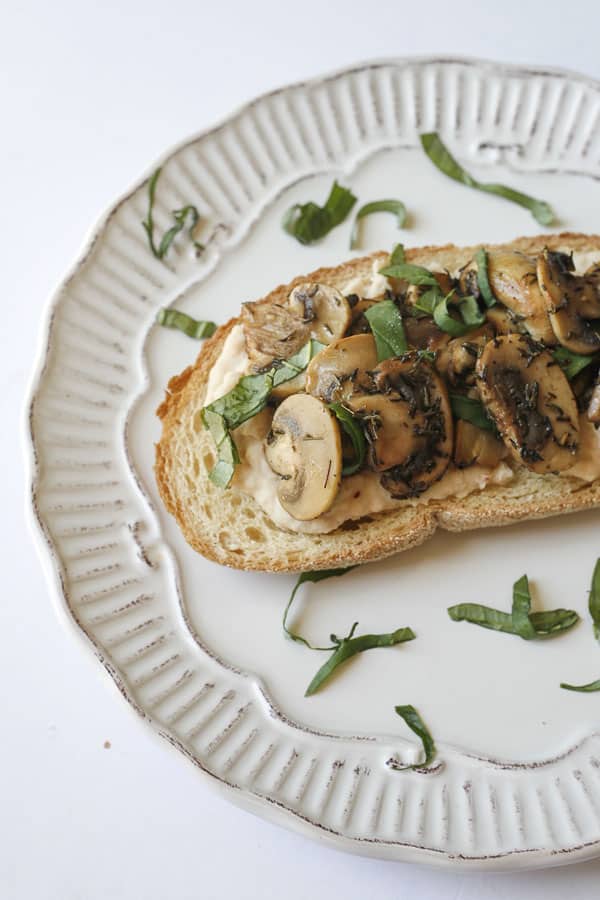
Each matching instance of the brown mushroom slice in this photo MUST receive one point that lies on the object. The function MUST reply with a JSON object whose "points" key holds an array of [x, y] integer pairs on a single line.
{"points": [[503, 321], [593, 411], [424, 334], [304, 448], [473, 445], [408, 424], [513, 280], [359, 323], [333, 374], [272, 331], [529, 398], [457, 360], [323, 308], [589, 304], [564, 295]]}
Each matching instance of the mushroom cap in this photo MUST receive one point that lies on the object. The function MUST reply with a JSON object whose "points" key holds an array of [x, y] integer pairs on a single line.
{"points": [[566, 296], [409, 424], [473, 445], [589, 303], [593, 411], [513, 280], [304, 448], [528, 396], [322, 308], [272, 331], [332, 375]]}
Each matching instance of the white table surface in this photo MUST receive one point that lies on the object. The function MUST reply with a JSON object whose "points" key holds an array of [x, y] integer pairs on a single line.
{"points": [[90, 95]]}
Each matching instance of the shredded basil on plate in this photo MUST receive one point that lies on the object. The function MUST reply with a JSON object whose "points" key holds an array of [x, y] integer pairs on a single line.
{"points": [[186, 215], [590, 688], [349, 646], [573, 363], [353, 428], [309, 222], [313, 578], [396, 207], [248, 398], [481, 261], [416, 724], [441, 157], [385, 320], [194, 328], [545, 623]]}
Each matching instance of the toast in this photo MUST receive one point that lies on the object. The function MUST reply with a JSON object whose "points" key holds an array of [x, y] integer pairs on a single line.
{"points": [[230, 527]]}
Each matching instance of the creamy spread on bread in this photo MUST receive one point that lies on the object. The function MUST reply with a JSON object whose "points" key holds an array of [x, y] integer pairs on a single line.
{"points": [[574, 450]]}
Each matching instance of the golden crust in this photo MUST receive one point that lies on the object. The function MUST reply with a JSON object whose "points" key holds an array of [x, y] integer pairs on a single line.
{"points": [[230, 528]]}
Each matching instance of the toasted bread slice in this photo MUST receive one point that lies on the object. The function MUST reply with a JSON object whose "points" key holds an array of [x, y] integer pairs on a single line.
{"points": [[229, 527]]}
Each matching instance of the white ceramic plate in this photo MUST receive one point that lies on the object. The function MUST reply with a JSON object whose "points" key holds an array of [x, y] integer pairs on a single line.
{"points": [[198, 650]]}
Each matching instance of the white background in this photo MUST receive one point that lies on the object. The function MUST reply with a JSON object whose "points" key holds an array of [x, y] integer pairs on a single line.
{"points": [[90, 96]]}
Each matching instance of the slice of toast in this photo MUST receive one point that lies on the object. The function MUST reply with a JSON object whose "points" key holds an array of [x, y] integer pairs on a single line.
{"points": [[229, 527]]}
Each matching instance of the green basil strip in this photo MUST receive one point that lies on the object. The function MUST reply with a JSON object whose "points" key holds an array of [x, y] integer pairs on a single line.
{"points": [[397, 256], [194, 328], [385, 320], [447, 322], [416, 725], [594, 600], [481, 261], [396, 207], [354, 430], [573, 363], [349, 646], [313, 578], [227, 453], [470, 312], [428, 301], [308, 222], [181, 217], [246, 400], [582, 688], [472, 411], [411, 273], [445, 162], [521, 608], [546, 624]]}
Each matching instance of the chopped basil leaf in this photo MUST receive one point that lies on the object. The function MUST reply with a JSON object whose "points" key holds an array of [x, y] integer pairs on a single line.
{"points": [[481, 261], [445, 162], [354, 430], [411, 273], [397, 255], [243, 402], [594, 600], [428, 301], [386, 324], [181, 216], [472, 411], [396, 207], [582, 688], [349, 646], [416, 724], [545, 623], [470, 312], [308, 222], [314, 578], [573, 363], [194, 328], [521, 608], [447, 322]]}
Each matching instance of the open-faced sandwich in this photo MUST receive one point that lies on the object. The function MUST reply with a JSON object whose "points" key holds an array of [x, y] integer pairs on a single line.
{"points": [[348, 414]]}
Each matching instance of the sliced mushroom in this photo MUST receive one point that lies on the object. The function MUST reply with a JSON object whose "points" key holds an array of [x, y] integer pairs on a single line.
{"points": [[324, 309], [272, 331], [473, 445], [335, 372], [593, 411], [414, 292], [304, 448], [359, 323], [408, 424], [457, 360], [503, 321], [513, 280], [566, 295], [529, 398], [589, 306], [424, 334]]}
